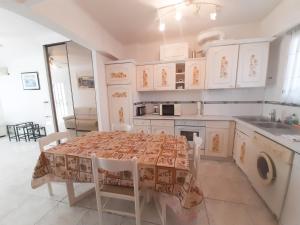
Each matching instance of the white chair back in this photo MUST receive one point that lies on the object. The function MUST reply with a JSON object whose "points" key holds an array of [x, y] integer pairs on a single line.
{"points": [[113, 165], [197, 149], [54, 137], [121, 127]]}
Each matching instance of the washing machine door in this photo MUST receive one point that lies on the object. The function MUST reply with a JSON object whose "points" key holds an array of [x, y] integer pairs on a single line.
{"points": [[265, 168]]}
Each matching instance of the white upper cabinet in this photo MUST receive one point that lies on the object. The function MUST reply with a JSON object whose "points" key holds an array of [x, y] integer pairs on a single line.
{"points": [[119, 73], [119, 97], [164, 76], [221, 67], [144, 78], [195, 74], [253, 63]]}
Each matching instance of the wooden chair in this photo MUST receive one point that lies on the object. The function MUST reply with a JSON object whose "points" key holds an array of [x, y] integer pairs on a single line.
{"points": [[117, 192], [121, 127], [52, 138]]}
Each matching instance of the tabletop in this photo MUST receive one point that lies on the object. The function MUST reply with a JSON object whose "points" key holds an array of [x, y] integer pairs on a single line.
{"points": [[162, 160]]}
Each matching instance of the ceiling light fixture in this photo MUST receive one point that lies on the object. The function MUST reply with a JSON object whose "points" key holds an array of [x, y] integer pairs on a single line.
{"points": [[174, 9]]}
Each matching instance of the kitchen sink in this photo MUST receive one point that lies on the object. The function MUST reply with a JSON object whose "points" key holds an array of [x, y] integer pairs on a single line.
{"points": [[272, 125]]}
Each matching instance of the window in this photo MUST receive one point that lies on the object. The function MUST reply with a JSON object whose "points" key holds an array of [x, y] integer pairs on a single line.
{"points": [[291, 91]]}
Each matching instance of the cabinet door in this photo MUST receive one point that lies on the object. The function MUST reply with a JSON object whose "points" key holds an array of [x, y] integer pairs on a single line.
{"points": [[164, 76], [162, 130], [240, 151], [253, 63], [216, 142], [119, 73], [221, 67], [144, 78], [120, 111], [195, 74], [142, 129]]}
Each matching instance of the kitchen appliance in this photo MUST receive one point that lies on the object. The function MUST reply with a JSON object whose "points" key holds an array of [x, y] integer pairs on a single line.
{"points": [[271, 163], [155, 110], [170, 109], [140, 110], [187, 128]]}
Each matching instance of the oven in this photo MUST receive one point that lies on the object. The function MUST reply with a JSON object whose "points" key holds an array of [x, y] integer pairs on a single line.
{"points": [[187, 128]]}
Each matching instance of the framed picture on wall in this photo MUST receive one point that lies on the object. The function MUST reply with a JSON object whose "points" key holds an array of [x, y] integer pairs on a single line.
{"points": [[86, 82], [30, 81]]}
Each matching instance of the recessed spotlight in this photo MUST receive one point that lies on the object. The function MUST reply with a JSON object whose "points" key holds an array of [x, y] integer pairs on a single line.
{"points": [[162, 26], [178, 15]]}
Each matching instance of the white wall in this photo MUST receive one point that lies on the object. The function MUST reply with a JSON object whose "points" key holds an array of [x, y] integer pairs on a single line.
{"points": [[283, 17], [24, 105], [277, 74]]}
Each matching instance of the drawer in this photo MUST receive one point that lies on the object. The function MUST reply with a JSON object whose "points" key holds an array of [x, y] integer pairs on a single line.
{"points": [[218, 124], [162, 130], [141, 122], [162, 123], [192, 123]]}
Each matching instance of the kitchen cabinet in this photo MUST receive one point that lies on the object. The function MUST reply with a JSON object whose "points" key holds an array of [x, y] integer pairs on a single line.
{"points": [[252, 65], [120, 104], [162, 127], [290, 214], [142, 126], [219, 138], [221, 67], [241, 150], [144, 78], [119, 73], [195, 74], [164, 76]]}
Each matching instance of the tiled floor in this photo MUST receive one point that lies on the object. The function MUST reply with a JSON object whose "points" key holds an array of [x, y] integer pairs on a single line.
{"points": [[229, 198]]}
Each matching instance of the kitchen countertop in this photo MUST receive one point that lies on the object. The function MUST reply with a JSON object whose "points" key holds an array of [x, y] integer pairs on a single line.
{"points": [[275, 136]]}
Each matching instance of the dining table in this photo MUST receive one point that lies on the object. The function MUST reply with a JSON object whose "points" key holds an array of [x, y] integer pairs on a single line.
{"points": [[163, 164]]}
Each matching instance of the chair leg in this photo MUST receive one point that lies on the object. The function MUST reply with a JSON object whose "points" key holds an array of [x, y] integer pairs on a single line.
{"points": [[50, 189], [164, 214], [137, 214]]}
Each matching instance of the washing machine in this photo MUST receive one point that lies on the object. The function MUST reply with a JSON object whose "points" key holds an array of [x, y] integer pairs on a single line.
{"points": [[270, 171]]}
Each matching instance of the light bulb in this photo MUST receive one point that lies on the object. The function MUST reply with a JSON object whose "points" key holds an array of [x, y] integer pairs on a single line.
{"points": [[178, 15], [162, 26], [213, 16]]}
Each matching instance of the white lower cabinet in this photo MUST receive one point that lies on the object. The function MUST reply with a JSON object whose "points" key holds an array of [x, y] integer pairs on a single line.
{"points": [[162, 127], [291, 213], [142, 126], [241, 150], [219, 139]]}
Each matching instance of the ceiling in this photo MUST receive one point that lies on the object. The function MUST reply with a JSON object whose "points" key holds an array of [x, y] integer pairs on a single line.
{"points": [[135, 21]]}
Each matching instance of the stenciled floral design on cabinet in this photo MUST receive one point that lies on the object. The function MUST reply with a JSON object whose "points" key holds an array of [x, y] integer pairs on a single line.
{"points": [[120, 94], [224, 67], [242, 152], [196, 75], [119, 75], [252, 66], [164, 76], [121, 115], [216, 143], [145, 79]]}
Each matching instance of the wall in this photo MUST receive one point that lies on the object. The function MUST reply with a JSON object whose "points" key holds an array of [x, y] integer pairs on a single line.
{"points": [[24, 105], [282, 18], [277, 73]]}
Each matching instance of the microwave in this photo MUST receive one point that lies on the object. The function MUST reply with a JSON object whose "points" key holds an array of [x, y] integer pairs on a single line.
{"points": [[170, 110]]}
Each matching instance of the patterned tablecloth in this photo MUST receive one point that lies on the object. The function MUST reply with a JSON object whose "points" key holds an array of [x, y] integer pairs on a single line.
{"points": [[162, 160]]}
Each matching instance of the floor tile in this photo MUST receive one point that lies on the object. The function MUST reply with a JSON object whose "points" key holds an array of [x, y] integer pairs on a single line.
{"points": [[91, 218], [226, 213], [29, 212], [62, 214]]}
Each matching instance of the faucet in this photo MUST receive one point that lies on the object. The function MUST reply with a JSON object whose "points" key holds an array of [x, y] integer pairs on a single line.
{"points": [[273, 115]]}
